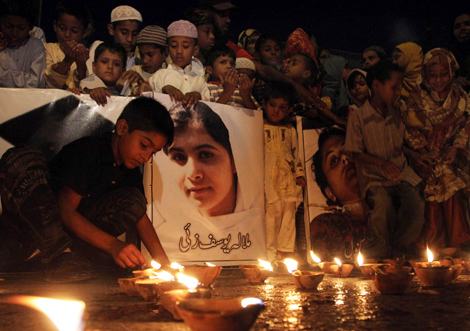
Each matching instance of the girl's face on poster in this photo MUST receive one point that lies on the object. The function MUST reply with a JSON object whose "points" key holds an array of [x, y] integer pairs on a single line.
{"points": [[205, 171], [339, 170]]}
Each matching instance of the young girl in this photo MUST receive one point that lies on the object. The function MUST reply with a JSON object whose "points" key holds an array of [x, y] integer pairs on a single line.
{"points": [[436, 130], [268, 50], [301, 65], [357, 89], [284, 175], [66, 59], [409, 57]]}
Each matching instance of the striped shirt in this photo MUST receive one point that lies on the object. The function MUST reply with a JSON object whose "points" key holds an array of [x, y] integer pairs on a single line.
{"points": [[236, 100], [369, 132]]}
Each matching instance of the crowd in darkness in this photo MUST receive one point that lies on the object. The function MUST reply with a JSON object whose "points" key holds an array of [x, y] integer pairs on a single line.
{"points": [[395, 123]]}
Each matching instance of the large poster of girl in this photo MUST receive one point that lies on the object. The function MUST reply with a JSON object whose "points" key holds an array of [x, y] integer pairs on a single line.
{"points": [[207, 187], [335, 212]]}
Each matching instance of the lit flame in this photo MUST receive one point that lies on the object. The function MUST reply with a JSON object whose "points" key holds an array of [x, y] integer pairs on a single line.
{"points": [[155, 265], [430, 255], [165, 275], [314, 257], [175, 265], [190, 282], [360, 259], [251, 301], [210, 264], [291, 265], [265, 264], [66, 315], [338, 262]]}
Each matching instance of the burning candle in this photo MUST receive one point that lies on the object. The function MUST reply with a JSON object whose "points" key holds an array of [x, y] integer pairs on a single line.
{"points": [[66, 315], [360, 259], [434, 274], [341, 270], [314, 257], [303, 279], [291, 265], [257, 273]]}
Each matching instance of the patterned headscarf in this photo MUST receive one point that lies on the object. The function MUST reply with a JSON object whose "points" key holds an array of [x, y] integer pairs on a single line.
{"points": [[444, 58], [413, 63], [245, 36], [299, 43]]}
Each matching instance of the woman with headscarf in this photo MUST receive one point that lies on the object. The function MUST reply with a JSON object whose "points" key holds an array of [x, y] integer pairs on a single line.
{"points": [[437, 130], [247, 40], [408, 56]]}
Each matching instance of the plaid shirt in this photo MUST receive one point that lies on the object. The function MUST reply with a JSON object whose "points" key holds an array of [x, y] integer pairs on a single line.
{"points": [[369, 132]]}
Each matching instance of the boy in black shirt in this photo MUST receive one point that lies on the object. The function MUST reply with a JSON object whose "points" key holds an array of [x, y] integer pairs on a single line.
{"points": [[95, 190]]}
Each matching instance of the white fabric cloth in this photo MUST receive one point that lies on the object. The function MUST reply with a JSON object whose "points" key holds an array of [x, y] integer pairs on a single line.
{"points": [[186, 80], [92, 82], [280, 228], [282, 164], [23, 66]]}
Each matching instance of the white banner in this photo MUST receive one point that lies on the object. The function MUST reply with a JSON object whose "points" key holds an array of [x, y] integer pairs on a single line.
{"points": [[53, 118]]}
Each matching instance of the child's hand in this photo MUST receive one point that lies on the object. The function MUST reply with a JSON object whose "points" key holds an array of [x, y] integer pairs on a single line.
{"points": [[70, 50], [3, 42], [231, 80], [75, 90], [301, 181], [175, 94], [191, 98], [392, 172], [132, 77], [99, 95], [245, 84], [83, 53], [144, 87], [126, 255]]}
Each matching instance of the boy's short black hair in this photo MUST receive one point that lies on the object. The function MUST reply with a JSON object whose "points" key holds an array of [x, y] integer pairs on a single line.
{"points": [[160, 47], [382, 71], [22, 8], [214, 53], [147, 114], [279, 89], [114, 48], [75, 9], [265, 37]]}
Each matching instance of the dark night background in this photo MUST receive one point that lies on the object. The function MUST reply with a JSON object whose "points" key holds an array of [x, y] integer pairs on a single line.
{"points": [[342, 25]]}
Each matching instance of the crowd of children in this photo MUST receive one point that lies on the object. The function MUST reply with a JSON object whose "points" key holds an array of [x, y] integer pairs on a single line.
{"points": [[406, 118]]}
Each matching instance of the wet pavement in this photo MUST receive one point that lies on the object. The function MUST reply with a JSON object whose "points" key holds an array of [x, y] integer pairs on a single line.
{"points": [[339, 304]]}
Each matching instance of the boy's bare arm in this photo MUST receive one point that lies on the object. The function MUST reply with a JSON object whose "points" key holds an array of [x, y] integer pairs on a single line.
{"points": [[150, 238], [245, 85], [100, 95], [174, 93], [391, 171], [124, 254], [229, 83]]}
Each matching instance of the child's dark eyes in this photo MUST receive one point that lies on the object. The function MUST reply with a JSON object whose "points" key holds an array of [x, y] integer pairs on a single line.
{"points": [[205, 155], [333, 161], [179, 158]]}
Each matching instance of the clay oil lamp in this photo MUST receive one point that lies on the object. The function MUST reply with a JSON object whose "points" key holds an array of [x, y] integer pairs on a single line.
{"points": [[434, 273], [236, 314], [66, 315], [303, 280], [324, 266], [206, 274], [341, 270], [169, 299], [394, 280], [151, 289], [257, 273], [367, 269], [127, 285]]}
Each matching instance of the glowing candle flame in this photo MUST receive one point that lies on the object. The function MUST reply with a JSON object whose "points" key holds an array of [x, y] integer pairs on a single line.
{"points": [[165, 275], [190, 282], [210, 264], [430, 255], [360, 259], [155, 265], [251, 301], [66, 315], [338, 262], [314, 257], [291, 265], [175, 265], [265, 264]]}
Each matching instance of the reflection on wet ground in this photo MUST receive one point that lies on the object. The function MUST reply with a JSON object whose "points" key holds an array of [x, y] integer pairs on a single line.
{"points": [[339, 304]]}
